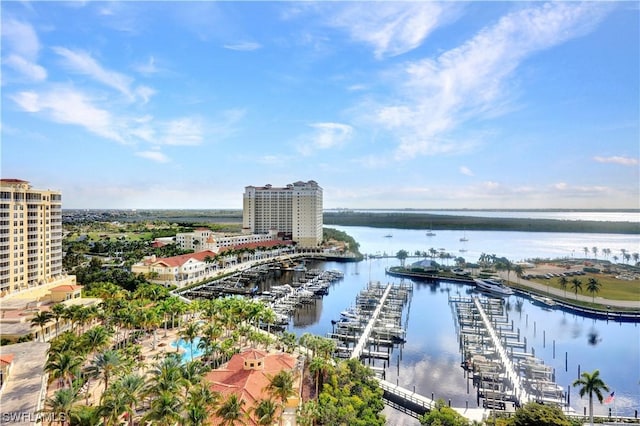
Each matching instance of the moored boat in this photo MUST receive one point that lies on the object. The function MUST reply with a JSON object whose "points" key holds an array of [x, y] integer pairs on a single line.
{"points": [[546, 301], [492, 286]]}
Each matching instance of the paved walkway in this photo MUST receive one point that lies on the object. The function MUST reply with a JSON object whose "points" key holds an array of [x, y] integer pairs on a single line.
{"points": [[542, 288]]}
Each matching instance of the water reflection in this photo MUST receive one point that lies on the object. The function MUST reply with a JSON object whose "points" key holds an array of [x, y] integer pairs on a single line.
{"points": [[430, 359]]}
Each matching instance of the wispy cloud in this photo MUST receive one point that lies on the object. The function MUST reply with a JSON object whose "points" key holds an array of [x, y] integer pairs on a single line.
{"points": [[83, 63], [392, 28], [69, 106], [244, 46], [156, 156], [20, 38], [466, 171], [29, 69], [624, 161], [22, 46], [147, 68], [183, 131], [325, 136], [470, 82]]}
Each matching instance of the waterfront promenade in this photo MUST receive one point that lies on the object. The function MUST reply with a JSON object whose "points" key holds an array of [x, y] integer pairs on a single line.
{"points": [[559, 293]]}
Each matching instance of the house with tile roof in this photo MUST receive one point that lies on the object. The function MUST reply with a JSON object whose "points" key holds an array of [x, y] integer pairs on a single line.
{"points": [[248, 374], [191, 268]]}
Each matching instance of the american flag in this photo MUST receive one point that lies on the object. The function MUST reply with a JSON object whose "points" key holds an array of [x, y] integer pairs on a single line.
{"points": [[609, 399]]}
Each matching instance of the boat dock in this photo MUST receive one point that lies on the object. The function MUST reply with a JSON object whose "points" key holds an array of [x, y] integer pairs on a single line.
{"points": [[375, 322], [503, 372]]}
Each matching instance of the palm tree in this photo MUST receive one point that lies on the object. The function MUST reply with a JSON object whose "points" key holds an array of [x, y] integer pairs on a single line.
{"points": [[41, 319], [189, 334], [199, 404], [593, 286], [64, 366], [576, 285], [61, 404], [265, 411], [57, 311], [563, 281], [166, 376], [130, 387], [166, 409], [96, 338], [591, 384], [402, 255], [281, 386], [105, 365], [85, 416], [231, 410]]}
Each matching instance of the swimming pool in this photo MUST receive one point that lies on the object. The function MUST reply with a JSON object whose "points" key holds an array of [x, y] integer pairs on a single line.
{"points": [[185, 349]]}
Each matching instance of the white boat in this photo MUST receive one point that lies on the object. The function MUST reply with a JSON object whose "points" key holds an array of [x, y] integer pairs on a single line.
{"points": [[349, 315], [493, 286], [543, 300]]}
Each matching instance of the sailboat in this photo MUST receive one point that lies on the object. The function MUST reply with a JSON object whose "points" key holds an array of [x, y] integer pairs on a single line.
{"points": [[464, 238], [430, 232]]}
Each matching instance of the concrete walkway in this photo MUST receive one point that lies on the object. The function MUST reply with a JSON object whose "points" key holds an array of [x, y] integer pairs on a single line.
{"points": [[569, 294]]}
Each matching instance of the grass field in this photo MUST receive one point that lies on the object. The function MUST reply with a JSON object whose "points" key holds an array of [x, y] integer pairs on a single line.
{"points": [[611, 287]]}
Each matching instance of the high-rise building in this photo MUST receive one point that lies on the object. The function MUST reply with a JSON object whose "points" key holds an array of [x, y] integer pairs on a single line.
{"points": [[30, 236], [294, 211]]}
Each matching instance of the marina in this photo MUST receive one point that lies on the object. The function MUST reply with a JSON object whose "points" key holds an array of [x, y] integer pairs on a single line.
{"points": [[504, 374], [374, 322]]}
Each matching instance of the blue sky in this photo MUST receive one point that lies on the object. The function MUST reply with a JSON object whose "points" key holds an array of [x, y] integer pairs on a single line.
{"points": [[386, 105]]}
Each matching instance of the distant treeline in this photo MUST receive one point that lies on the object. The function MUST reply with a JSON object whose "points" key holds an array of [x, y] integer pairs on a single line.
{"points": [[448, 222]]}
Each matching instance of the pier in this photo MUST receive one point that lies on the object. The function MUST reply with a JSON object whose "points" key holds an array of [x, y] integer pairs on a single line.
{"points": [[503, 372]]}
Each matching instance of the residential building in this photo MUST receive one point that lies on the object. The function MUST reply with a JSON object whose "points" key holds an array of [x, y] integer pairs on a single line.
{"points": [[248, 375], [191, 268], [30, 237], [294, 211], [205, 239]]}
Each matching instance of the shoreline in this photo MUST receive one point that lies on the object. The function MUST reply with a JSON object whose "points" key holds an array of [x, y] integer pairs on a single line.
{"points": [[473, 223], [605, 310]]}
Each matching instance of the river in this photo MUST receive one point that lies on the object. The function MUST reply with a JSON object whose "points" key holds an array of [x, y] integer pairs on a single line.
{"points": [[429, 361]]}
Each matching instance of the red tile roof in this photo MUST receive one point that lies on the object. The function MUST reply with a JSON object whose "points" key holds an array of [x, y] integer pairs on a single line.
{"points": [[266, 244], [182, 259], [6, 359], [66, 287], [248, 384], [11, 180]]}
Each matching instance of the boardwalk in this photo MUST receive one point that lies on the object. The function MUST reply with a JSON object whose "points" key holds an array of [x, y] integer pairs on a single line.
{"points": [[366, 333], [512, 375]]}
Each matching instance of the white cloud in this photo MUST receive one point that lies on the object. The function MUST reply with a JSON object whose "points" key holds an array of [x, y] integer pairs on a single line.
{"points": [[83, 63], [183, 131], [244, 46], [69, 106], [436, 95], [21, 46], [156, 156], [624, 161], [27, 68], [21, 39], [145, 93], [147, 68], [391, 28], [325, 136], [466, 171]]}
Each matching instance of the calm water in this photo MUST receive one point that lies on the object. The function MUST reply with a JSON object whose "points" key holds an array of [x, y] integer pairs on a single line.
{"points": [[430, 360], [600, 216]]}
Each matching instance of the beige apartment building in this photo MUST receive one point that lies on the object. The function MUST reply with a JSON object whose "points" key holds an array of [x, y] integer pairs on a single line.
{"points": [[30, 237], [295, 211]]}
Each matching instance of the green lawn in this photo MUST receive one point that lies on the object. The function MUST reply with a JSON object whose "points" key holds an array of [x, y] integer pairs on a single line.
{"points": [[611, 287]]}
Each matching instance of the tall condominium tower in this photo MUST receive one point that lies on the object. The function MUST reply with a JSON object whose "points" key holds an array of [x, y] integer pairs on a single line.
{"points": [[30, 236], [295, 211]]}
